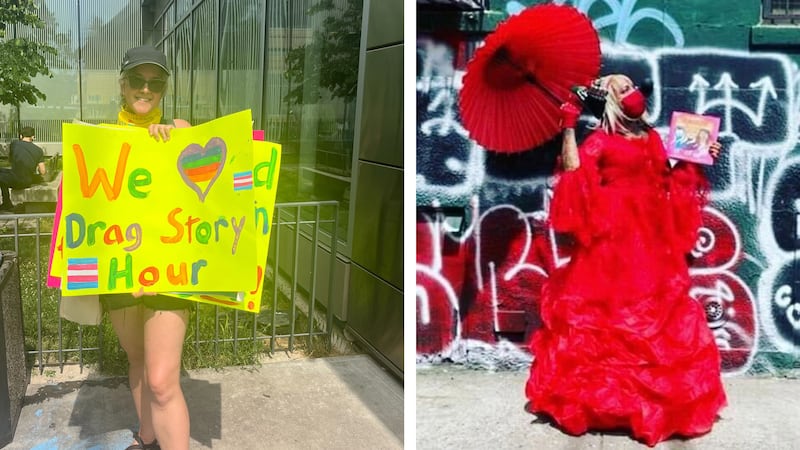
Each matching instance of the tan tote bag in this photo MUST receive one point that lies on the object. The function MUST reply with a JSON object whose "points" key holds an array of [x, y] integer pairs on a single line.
{"points": [[81, 309]]}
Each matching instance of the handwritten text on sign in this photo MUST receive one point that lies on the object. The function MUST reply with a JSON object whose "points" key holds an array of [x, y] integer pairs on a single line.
{"points": [[163, 216], [266, 161]]}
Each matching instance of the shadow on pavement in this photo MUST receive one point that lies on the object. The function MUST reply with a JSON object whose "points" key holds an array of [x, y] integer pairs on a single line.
{"points": [[104, 405], [344, 402], [376, 388]]}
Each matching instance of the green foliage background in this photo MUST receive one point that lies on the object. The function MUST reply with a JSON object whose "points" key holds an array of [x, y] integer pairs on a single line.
{"points": [[21, 58]]}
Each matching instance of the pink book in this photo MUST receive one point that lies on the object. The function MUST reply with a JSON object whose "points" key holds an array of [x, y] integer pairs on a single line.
{"points": [[690, 136]]}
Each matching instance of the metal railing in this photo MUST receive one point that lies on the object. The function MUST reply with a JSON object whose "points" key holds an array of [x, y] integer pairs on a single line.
{"points": [[287, 294]]}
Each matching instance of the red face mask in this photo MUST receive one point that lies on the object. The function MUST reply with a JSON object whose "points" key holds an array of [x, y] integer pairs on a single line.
{"points": [[633, 104]]}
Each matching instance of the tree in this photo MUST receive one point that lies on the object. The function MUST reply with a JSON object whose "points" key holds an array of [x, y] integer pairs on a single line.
{"points": [[21, 58], [332, 54]]}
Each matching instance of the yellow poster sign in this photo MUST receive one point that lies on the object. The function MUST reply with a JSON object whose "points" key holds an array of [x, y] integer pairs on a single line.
{"points": [[188, 215], [267, 159]]}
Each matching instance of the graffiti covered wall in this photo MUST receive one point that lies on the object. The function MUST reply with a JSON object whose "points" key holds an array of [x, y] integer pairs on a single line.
{"points": [[483, 246]]}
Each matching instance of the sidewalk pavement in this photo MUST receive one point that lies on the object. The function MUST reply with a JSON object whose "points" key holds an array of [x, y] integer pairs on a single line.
{"points": [[460, 408], [343, 402]]}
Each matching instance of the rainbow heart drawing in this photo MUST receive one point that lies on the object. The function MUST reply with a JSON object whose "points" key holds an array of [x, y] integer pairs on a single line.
{"points": [[200, 166]]}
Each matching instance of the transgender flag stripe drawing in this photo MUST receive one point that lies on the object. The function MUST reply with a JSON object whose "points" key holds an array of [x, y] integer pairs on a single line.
{"points": [[243, 181], [82, 273]]}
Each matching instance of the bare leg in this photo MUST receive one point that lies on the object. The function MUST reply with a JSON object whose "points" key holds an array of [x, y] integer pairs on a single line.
{"points": [[128, 323], [164, 332]]}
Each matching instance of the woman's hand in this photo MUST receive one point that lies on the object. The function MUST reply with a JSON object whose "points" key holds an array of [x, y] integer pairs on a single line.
{"points": [[569, 115], [715, 149], [160, 131], [141, 293]]}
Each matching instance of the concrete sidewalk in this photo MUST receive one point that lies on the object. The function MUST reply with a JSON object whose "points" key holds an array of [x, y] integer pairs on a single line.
{"points": [[459, 408], [346, 402]]}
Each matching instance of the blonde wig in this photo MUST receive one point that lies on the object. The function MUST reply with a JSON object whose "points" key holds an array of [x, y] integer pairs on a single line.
{"points": [[614, 119]]}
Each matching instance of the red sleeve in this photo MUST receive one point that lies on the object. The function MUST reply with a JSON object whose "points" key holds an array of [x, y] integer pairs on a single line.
{"points": [[688, 191], [578, 203]]}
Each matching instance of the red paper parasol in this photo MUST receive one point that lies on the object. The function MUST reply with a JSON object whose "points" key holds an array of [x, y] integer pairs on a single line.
{"points": [[516, 82]]}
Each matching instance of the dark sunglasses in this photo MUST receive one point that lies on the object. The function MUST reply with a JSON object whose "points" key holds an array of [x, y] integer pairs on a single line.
{"points": [[156, 85]]}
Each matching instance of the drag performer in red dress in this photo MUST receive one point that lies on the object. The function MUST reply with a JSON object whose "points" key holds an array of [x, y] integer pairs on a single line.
{"points": [[622, 344]]}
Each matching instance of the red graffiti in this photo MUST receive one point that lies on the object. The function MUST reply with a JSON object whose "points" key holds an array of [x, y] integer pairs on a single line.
{"points": [[440, 271], [504, 300], [495, 275], [729, 304], [485, 286]]}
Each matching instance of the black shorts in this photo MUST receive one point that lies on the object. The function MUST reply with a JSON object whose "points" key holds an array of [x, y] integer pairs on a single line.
{"points": [[113, 302]]}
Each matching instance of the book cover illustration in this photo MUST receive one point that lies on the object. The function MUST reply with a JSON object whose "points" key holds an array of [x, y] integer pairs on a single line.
{"points": [[690, 136]]}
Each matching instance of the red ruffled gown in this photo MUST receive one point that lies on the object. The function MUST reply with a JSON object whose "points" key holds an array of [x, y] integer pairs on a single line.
{"points": [[622, 344]]}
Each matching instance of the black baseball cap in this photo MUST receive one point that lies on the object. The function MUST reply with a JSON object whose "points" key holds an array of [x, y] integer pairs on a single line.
{"points": [[146, 54]]}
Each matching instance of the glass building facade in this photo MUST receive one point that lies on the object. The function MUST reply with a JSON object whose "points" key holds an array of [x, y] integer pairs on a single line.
{"points": [[294, 64], [89, 38]]}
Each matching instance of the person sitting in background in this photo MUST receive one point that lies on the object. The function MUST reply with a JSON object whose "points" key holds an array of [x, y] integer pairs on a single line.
{"points": [[25, 157]]}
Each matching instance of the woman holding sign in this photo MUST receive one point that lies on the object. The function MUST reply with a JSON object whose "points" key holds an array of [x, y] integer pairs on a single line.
{"points": [[622, 343], [151, 328]]}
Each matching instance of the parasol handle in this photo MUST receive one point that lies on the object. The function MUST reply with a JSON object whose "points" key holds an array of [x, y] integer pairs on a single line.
{"points": [[532, 80]]}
